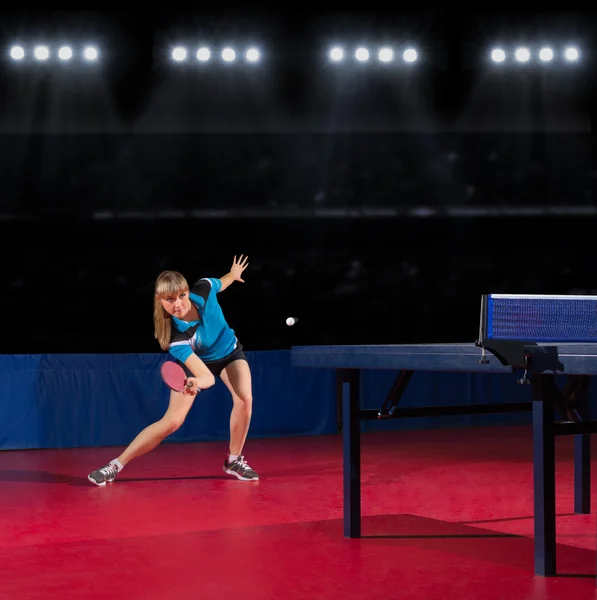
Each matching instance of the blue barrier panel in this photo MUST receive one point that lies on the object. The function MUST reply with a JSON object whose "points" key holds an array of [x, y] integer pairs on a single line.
{"points": [[66, 401], [70, 400]]}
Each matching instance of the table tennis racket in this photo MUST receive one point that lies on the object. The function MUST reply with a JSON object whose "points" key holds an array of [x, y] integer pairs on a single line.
{"points": [[174, 377]]}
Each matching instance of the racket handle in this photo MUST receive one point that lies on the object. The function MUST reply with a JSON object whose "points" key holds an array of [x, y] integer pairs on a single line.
{"points": [[189, 385]]}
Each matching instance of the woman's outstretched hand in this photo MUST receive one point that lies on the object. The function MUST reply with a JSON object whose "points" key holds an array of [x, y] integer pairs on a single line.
{"points": [[238, 266]]}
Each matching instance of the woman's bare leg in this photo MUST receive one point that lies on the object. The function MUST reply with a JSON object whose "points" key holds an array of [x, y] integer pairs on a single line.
{"points": [[237, 377], [154, 434], [148, 439]]}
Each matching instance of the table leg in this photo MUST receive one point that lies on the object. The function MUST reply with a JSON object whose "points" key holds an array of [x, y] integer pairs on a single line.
{"points": [[582, 456], [544, 475], [351, 437], [582, 474]]}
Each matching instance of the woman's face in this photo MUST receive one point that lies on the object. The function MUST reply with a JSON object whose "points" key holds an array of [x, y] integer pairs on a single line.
{"points": [[177, 305]]}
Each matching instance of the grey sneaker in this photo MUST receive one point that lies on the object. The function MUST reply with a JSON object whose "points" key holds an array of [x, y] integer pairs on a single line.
{"points": [[239, 468], [104, 475]]}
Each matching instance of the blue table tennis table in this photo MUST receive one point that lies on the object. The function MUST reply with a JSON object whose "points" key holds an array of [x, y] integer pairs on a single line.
{"points": [[539, 336]]}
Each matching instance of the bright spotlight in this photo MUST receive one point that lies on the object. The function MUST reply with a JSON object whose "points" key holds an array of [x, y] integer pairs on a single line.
{"points": [[228, 54], [410, 55], [498, 55], [336, 54], [90, 53], [17, 53], [522, 54], [65, 53], [252, 55], [41, 52], [179, 54], [386, 54], [546, 54], [203, 54], [362, 54], [571, 54]]}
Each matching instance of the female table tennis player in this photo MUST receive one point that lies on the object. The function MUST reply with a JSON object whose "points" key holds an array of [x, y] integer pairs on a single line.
{"points": [[189, 323]]}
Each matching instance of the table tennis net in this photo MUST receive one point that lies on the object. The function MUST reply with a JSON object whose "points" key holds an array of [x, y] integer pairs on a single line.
{"points": [[541, 318]]}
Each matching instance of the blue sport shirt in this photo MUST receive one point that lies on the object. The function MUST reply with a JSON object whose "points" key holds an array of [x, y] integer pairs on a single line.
{"points": [[210, 337]]}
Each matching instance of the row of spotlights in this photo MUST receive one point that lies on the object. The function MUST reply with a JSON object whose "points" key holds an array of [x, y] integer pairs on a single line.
{"points": [[180, 54], [524, 54], [362, 54], [43, 53], [336, 54]]}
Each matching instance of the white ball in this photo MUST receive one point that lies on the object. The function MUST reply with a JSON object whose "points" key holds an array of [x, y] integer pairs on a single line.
{"points": [[290, 321]]}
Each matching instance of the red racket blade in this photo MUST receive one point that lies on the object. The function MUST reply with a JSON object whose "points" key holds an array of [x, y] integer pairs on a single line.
{"points": [[173, 376]]}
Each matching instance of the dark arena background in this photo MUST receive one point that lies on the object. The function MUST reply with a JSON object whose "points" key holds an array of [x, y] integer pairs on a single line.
{"points": [[391, 174]]}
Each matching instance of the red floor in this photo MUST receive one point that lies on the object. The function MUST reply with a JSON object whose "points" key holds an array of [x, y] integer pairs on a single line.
{"points": [[448, 514]]}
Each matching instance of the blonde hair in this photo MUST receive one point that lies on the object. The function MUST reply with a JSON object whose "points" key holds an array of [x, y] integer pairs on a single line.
{"points": [[168, 283]]}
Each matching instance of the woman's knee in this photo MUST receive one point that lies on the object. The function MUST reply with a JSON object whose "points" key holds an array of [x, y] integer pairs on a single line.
{"points": [[172, 423], [177, 412], [244, 401]]}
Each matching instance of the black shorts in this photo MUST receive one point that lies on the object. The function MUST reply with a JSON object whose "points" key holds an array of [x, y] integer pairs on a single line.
{"points": [[217, 366]]}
